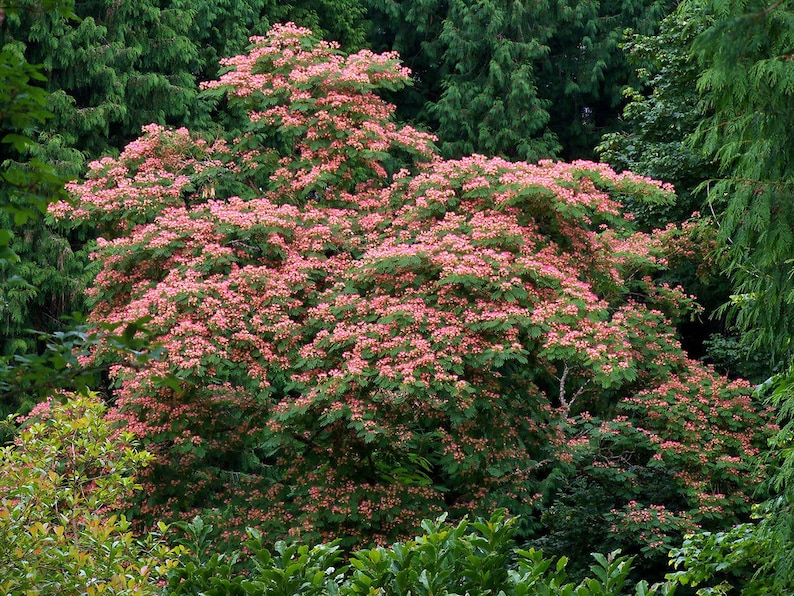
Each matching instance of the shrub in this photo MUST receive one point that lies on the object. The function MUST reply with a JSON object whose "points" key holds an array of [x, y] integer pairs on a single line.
{"points": [[477, 558], [62, 483]]}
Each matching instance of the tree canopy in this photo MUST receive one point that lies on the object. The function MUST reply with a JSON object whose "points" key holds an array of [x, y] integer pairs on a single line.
{"points": [[360, 334]]}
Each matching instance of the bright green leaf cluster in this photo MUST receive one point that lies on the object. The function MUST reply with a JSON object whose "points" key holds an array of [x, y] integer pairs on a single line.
{"points": [[62, 483], [476, 558]]}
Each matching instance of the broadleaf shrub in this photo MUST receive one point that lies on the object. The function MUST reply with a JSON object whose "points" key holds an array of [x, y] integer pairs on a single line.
{"points": [[477, 558], [63, 483]]}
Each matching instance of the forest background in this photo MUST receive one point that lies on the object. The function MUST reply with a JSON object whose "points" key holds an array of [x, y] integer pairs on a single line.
{"points": [[528, 335]]}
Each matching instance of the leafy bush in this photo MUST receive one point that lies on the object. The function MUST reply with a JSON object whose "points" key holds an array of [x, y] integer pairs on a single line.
{"points": [[62, 483], [476, 558]]}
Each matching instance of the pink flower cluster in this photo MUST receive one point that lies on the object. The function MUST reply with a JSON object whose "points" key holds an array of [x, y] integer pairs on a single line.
{"points": [[362, 340]]}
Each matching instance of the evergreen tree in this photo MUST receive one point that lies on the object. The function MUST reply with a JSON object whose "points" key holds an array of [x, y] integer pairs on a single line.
{"points": [[748, 86], [27, 183], [489, 98], [659, 119], [115, 68], [511, 78], [31, 256], [586, 71]]}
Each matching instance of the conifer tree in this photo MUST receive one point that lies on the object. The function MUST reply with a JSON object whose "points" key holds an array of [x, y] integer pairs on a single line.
{"points": [[489, 98], [661, 113], [511, 78], [748, 84], [111, 70], [31, 257]]}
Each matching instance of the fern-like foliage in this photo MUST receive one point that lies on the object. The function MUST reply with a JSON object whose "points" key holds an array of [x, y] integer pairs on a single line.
{"points": [[748, 85]]}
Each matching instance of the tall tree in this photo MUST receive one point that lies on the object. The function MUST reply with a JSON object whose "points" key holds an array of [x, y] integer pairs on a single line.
{"points": [[748, 84], [660, 114], [29, 254], [115, 68], [35, 256], [511, 78], [489, 98]]}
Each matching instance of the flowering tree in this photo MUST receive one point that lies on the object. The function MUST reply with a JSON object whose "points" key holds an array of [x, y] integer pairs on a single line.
{"points": [[360, 334]]}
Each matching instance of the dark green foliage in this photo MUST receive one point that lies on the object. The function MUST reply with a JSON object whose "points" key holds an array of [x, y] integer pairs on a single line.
{"points": [[37, 271], [735, 358], [586, 70], [44, 282], [28, 184], [748, 86], [513, 79], [489, 98], [115, 68], [660, 116], [477, 558]]}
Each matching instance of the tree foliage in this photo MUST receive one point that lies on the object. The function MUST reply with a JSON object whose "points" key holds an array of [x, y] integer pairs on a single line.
{"points": [[513, 79], [489, 98], [36, 267], [114, 67], [747, 85], [743, 52], [103, 70], [363, 335], [660, 115]]}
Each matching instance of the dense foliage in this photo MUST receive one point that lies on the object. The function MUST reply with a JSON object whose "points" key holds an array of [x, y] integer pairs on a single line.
{"points": [[103, 70], [359, 334], [518, 80], [473, 557], [660, 118], [746, 82], [353, 346], [63, 482], [114, 67], [660, 115], [66, 474]]}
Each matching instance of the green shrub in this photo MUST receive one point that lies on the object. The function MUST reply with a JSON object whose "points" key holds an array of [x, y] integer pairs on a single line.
{"points": [[472, 558], [62, 482]]}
